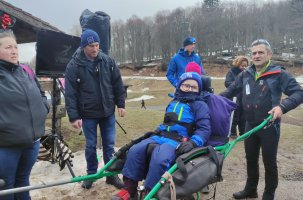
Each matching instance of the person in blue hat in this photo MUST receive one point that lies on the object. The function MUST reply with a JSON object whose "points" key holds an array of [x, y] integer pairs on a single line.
{"points": [[186, 126], [179, 61], [94, 88]]}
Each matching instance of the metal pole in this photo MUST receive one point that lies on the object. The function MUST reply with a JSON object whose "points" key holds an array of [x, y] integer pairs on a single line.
{"points": [[232, 117], [54, 121], [121, 127], [34, 187]]}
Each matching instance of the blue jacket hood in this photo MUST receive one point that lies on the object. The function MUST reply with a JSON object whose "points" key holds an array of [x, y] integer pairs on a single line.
{"points": [[184, 53]]}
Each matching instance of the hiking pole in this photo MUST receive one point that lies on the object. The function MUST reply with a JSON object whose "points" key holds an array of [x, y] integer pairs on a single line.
{"points": [[121, 127], [232, 118]]}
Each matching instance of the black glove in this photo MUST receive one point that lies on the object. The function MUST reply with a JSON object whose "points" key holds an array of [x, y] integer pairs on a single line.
{"points": [[185, 147]]}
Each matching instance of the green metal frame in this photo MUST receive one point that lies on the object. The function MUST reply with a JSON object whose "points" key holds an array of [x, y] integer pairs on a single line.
{"points": [[225, 150], [103, 172]]}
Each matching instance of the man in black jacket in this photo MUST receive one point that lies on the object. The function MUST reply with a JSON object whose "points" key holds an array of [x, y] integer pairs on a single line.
{"points": [[93, 88], [261, 86]]}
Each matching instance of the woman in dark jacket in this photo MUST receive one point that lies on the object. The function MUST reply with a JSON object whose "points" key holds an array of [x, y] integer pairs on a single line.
{"points": [[22, 117], [239, 63]]}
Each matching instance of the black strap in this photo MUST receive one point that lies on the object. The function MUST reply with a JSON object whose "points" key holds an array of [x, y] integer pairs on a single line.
{"points": [[182, 169], [172, 135], [121, 152], [171, 118], [214, 156]]}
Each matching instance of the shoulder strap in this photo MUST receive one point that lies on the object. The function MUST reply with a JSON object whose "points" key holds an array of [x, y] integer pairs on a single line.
{"points": [[28, 70]]}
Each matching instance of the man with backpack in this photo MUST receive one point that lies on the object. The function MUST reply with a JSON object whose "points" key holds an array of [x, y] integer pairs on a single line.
{"points": [[261, 86], [94, 88]]}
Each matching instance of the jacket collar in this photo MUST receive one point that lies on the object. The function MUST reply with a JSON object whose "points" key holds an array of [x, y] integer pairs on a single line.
{"points": [[271, 69], [7, 65]]}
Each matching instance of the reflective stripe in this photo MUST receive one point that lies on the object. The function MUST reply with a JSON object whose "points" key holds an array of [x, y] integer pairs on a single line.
{"points": [[180, 114]]}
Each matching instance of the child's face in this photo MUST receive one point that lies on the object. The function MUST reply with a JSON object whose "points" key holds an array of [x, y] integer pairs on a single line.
{"points": [[189, 86]]}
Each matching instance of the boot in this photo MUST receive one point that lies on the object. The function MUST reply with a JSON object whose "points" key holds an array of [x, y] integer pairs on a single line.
{"points": [[87, 184], [115, 181], [129, 192], [205, 190], [245, 194], [268, 196]]}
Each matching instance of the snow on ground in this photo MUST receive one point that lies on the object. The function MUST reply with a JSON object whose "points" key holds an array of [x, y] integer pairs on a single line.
{"points": [[144, 97], [300, 80], [145, 78], [159, 78], [145, 89]]}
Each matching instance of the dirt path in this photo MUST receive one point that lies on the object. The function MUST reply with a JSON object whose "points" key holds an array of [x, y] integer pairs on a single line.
{"points": [[290, 177]]}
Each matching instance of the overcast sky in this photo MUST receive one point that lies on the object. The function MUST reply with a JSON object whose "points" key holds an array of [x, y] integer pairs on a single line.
{"points": [[64, 14]]}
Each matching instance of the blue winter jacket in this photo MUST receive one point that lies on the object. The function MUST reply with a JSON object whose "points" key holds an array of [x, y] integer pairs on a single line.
{"points": [[196, 112], [178, 63]]}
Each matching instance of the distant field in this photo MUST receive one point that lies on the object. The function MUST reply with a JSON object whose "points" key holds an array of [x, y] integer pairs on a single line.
{"points": [[139, 121]]}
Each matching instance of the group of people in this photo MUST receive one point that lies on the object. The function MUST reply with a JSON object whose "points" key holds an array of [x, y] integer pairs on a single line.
{"points": [[258, 90], [94, 89]]}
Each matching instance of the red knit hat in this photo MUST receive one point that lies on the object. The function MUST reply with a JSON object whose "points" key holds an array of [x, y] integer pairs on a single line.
{"points": [[193, 67]]}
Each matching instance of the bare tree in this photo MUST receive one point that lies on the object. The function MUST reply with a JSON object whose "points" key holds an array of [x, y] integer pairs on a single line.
{"points": [[118, 49], [217, 26], [163, 34], [135, 34]]}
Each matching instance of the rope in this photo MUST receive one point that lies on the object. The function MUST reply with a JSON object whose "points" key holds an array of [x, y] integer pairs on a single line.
{"points": [[169, 178]]}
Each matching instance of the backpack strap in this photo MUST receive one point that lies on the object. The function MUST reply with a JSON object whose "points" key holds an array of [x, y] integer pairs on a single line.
{"points": [[28, 70]]}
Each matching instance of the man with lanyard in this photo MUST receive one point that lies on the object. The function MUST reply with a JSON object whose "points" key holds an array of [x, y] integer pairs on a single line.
{"points": [[262, 85]]}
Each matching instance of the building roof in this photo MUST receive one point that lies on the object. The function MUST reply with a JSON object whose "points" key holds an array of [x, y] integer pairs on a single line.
{"points": [[26, 25]]}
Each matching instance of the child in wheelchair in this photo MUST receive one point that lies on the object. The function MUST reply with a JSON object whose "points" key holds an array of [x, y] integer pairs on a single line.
{"points": [[186, 126]]}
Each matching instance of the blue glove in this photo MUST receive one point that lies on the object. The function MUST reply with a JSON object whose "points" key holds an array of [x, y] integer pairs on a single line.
{"points": [[185, 147]]}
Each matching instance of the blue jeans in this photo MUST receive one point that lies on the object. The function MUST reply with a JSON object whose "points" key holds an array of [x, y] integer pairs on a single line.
{"points": [[15, 168], [108, 135]]}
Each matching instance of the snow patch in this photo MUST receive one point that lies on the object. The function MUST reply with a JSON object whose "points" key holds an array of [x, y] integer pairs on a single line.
{"points": [[145, 89], [144, 97]]}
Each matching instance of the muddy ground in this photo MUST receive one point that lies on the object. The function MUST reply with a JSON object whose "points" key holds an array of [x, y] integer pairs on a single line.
{"points": [[290, 163]]}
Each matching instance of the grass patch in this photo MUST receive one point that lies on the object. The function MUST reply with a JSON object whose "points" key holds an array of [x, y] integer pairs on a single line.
{"points": [[138, 121]]}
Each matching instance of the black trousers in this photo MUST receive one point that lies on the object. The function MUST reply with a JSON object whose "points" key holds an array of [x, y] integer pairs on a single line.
{"points": [[267, 140]]}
